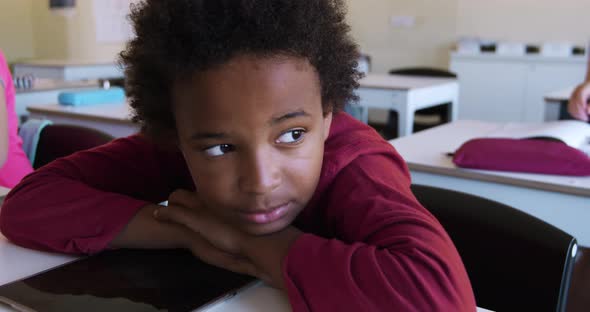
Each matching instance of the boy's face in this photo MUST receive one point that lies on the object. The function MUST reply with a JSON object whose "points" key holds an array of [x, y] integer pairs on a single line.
{"points": [[252, 132]]}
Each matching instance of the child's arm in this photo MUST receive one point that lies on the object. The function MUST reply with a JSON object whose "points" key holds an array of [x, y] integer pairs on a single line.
{"points": [[79, 204], [3, 126], [388, 252]]}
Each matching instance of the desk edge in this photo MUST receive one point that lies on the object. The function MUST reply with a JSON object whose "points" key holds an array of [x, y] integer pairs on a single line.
{"points": [[468, 174]]}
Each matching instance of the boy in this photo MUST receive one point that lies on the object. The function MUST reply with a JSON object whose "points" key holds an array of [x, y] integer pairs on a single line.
{"points": [[266, 176]]}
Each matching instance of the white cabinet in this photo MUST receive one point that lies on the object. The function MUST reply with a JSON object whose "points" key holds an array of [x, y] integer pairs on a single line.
{"points": [[511, 88]]}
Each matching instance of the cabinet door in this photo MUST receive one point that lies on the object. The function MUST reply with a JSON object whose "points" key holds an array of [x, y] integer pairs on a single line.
{"points": [[544, 78], [490, 90]]}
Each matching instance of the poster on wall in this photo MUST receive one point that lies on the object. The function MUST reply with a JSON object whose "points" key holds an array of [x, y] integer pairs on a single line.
{"points": [[111, 22]]}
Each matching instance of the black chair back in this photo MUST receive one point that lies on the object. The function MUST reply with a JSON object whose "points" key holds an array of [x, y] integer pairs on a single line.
{"points": [[515, 261], [423, 72]]}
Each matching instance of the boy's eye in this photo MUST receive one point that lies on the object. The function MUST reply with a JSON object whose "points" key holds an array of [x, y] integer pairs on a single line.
{"points": [[218, 150], [291, 136]]}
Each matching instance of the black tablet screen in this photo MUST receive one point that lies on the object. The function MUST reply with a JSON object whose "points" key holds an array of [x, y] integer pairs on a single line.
{"points": [[126, 280]]}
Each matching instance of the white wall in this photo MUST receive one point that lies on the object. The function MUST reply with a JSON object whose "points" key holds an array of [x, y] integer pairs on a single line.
{"points": [[28, 30], [441, 22], [16, 30], [425, 44], [74, 37], [526, 20]]}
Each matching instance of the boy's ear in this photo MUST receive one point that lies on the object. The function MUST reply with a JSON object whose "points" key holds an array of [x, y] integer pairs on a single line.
{"points": [[327, 124]]}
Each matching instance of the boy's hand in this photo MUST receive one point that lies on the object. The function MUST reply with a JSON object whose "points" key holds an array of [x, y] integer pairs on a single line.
{"points": [[219, 244], [209, 239]]}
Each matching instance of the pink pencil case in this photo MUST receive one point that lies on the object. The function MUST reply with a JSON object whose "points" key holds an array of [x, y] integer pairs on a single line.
{"points": [[523, 155]]}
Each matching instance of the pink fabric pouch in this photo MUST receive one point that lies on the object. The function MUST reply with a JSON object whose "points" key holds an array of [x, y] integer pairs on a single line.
{"points": [[523, 155]]}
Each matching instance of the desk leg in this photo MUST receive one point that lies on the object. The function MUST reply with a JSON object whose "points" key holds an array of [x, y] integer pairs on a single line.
{"points": [[453, 108], [405, 121]]}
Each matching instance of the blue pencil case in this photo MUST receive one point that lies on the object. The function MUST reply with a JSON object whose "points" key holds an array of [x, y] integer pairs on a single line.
{"points": [[92, 97]]}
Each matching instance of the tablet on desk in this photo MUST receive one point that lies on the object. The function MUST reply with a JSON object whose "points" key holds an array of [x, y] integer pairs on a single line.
{"points": [[126, 280]]}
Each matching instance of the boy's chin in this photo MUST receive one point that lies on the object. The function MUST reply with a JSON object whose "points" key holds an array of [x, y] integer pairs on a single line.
{"points": [[266, 229]]}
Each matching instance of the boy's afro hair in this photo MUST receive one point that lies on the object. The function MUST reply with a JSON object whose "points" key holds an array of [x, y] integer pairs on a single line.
{"points": [[176, 38]]}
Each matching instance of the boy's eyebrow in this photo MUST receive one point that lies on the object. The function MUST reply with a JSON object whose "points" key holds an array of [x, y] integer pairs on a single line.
{"points": [[299, 113], [208, 135], [273, 121]]}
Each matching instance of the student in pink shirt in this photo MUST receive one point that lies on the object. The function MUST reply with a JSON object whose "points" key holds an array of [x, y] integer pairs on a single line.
{"points": [[242, 132], [14, 164]]}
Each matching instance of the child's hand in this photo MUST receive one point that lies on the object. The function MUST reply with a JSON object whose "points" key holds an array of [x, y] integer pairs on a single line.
{"points": [[211, 240]]}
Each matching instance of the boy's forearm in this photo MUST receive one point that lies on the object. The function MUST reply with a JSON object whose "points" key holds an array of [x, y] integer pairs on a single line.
{"points": [[143, 231], [268, 252]]}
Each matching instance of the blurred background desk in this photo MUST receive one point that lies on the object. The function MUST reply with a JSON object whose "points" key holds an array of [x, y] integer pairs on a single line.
{"points": [[113, 119], [68, 70], [406, 95], [45, 91], [556, 104], [562, 201]]}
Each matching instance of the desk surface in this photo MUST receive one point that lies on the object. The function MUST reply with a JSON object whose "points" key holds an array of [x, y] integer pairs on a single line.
{"points": [[65, 63], [25, 262], [44, 84], [426, 151], [401, 82], [118, 112], [559, 96]]}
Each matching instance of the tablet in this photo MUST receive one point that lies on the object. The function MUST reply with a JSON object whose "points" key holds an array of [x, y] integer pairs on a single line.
{"points": [[126, 280]]}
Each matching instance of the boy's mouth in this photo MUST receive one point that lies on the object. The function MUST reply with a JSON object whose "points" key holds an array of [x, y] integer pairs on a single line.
{"points": [[267, 215]]}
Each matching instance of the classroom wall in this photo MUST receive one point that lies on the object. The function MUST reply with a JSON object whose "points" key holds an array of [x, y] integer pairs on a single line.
{"points": [[73, 37], [16, 30], [29, 30], [440, 22], [426, 43], [532, 21]]}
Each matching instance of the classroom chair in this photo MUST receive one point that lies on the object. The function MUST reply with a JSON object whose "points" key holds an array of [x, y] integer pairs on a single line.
{"points": [[515, 261], [425, 118], [58, 140]]}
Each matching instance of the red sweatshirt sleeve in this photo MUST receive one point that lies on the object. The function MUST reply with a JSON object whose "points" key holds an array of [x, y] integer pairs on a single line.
{"points": [[388, 253], [78, 204]]}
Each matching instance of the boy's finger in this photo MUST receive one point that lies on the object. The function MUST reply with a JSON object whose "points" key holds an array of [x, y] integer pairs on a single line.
{"points": [[208, 253], [178, 214], [182, 198]]}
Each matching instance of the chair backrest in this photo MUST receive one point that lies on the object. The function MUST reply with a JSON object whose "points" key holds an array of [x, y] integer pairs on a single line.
{"points": [[423, 71], [515, 261], [58, 140]]}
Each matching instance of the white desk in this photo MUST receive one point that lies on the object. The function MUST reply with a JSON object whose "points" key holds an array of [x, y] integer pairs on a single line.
{"points": [[113, 119], [556, 103], [559, 96], [69, 70], [405, 95], [46, 91], [559, 200], [25, 262]]}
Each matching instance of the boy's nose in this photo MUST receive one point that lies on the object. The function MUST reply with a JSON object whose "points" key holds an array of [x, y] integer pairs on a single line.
{"points": [[260, 174]]}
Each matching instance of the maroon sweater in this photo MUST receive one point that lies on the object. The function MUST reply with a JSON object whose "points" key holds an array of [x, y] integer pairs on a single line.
{"points": [[369, 245]]}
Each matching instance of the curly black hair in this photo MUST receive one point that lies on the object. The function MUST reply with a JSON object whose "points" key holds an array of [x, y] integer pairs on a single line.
{"points": [[175, 38]]}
